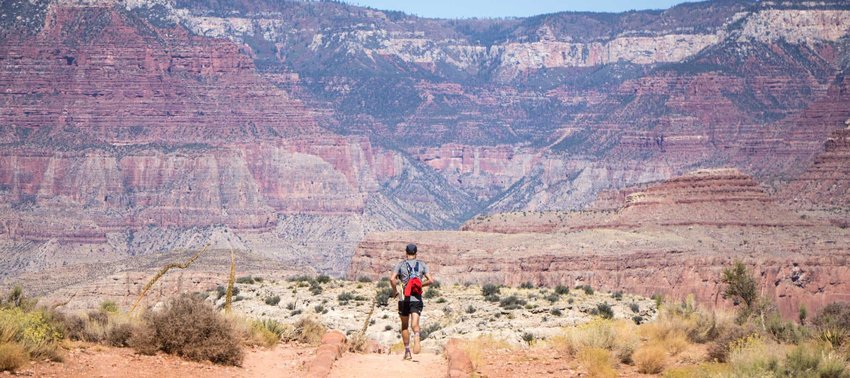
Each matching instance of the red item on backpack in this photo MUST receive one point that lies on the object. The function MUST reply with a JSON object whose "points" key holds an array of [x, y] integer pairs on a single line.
{"points": [[413, 287]]}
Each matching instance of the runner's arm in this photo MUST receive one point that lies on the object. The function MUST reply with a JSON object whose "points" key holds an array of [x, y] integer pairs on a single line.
{"points": [[428, 280], [393, 282]]}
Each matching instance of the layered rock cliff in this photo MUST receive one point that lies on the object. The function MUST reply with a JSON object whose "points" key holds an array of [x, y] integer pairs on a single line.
{"points": [[672, 238]]}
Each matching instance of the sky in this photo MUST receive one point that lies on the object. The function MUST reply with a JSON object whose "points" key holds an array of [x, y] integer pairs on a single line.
{"points": [[508, 8]]}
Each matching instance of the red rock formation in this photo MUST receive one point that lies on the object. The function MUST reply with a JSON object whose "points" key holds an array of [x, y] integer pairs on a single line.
{"points": [[674, 238], [826, 184]]}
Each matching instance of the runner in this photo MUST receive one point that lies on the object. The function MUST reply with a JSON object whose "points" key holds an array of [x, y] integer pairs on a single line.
{"points": [[411, 272]]}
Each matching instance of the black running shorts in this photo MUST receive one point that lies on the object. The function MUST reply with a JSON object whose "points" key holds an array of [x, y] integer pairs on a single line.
{"points": [[407, 307]]}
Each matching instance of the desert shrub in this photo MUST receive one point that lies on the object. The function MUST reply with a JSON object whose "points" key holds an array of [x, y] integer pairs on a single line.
{"points": [[12, 356], [364, 279], [832, 324], [15, 298], [650, 359], [245, 280], [345, 297], [802, 314], [489, 290], [740, 286], [526, 285], [37, 331], [388, 327], [617, 295], [426, 331], [295, 312], [470, 309], [752, 357], [109, 307], [268, 331], [189, 328], [273, 300], [316, 289], [562, 290], [98, 317], [306, 330], [588, 290], [556, 312], [435, 285], [441, 300], [637, 319], [617, 336], [492, 298], [659, 300], [598, 362], [119, 334], [511, 303], [382, 284], [570, 300], [290, 306], [323, 279], [721, 347], [634, 307], [604, 310], [528, 337], [382, 297], [552, 298], [781, 330], [431, 293]]}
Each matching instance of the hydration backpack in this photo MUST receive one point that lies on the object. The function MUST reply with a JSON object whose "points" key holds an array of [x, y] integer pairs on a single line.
{"points": [[413, 287]]}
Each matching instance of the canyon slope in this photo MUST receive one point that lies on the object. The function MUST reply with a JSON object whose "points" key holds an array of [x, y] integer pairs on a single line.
{"points": [[294, 129], [672, 238]]}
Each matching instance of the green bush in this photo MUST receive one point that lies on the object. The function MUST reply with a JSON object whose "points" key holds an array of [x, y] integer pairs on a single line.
{"points": [[470, 309], [245, 280], [832, 324], [740, 285], [617, 295], [364, 279], [604, 310], [109, 306], [319, 309], [323, 279], [552, 298], [492, 298], [426, 331], [562, 290], [345, 297], [637, 319], [526, 285], [431, 293], [556, 312], [273, 300], [511, 303], [528, 337], [490, 289], [634, 307]]}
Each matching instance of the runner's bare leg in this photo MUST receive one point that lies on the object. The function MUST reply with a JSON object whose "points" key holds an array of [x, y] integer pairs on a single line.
{"points": [[405, 334], [414, 319]]}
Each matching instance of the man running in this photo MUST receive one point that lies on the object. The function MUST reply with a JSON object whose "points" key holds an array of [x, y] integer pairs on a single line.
{"points": [[411, 272]]}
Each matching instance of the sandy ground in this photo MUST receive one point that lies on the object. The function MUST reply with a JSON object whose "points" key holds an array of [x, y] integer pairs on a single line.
{"points": [[425, 365], [93, 361]]}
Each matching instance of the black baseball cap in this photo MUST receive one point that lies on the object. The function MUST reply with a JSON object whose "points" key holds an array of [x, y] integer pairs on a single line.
{"points": [[411, 249]]}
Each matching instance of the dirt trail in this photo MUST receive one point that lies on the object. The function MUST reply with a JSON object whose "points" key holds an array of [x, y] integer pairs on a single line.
{"points": [[99, 361], [354, 365]]}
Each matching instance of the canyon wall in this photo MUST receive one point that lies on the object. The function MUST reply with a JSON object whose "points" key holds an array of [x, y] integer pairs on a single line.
{"points": [[672, 238]]}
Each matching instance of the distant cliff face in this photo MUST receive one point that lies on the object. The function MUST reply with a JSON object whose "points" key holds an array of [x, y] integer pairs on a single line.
{"points": [[309, 124], [672, 238]]}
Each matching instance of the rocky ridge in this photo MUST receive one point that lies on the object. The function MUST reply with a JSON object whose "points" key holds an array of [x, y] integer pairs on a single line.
{"points": [[673, 238]]}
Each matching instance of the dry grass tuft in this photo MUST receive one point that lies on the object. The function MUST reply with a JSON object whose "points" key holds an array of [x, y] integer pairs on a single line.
{"points": [[618, 336], [705, 370], [307, 330], [650, 359], [478, 347], [598, 362], [12, 356], [192, 329]]}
